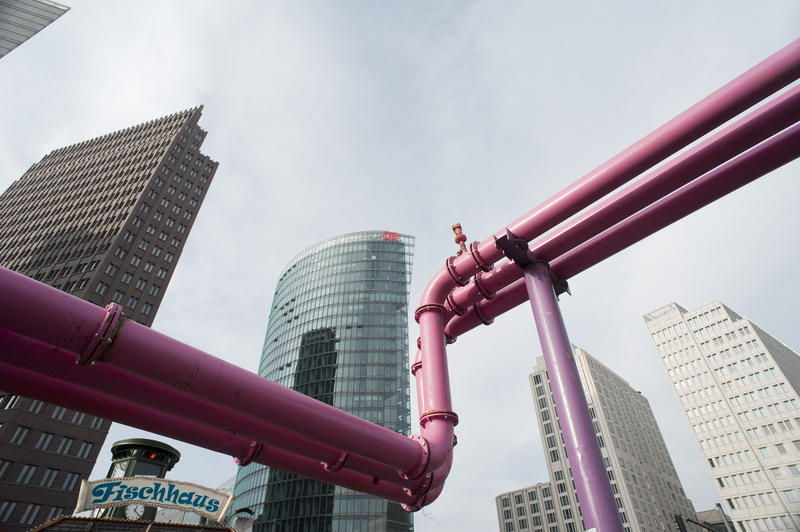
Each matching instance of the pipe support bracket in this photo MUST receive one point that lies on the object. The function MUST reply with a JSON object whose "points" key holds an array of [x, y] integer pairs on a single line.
{"points": [[103, 337]]}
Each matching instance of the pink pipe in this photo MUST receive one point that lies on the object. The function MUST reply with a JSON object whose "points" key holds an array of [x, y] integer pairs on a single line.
{"points": [[765, 78], [157, 357], [79, 398], [56, 363], [747, 167], [761, 124]]}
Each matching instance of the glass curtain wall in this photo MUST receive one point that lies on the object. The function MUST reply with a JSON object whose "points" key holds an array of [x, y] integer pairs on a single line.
{"points": [[338, 332]]}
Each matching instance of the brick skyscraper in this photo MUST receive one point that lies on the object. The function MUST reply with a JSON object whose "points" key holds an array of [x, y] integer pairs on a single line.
{"points": [[105, 220]]}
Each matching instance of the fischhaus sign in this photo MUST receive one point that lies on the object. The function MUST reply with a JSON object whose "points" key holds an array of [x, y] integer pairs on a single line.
{"points": [[152, 491]]}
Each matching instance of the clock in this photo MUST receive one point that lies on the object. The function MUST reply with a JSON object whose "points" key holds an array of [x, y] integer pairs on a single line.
{"points": [[134, 511]]}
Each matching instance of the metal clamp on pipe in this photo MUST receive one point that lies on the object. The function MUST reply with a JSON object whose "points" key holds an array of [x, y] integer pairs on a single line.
{"points": [[103, 337], [516, 249], [338, 465], [253, 450]]}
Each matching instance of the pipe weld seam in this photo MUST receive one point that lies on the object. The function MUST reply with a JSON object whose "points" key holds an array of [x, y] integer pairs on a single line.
{"points": [[433, 414], [476, 256], [103, 337], [432, 307], [481, 286], [458, 311], [253, 450], [460, 280], [481, 316], [339, 462], [422, 466]]}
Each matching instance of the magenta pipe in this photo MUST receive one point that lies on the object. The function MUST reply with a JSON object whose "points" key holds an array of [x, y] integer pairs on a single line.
{"points": [[756, 162], [759, 125], [76, 397], [157, 357], [58, 364], [592, 484], [765, 78], [747, 167]]}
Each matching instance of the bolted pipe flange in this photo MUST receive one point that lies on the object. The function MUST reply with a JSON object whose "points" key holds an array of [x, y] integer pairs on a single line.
{"points": [[434, 414], [423, 488], [481, 316], [460, 280], [458, 311], [339, 463], [416, 367], [481, 286], [103, 337], [253, 450], [423, 464], [479, 260], [433, 307]]}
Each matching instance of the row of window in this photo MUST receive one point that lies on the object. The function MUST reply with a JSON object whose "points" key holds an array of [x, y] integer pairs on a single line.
{"points": [[29, 515], [68, 482], [43, 443]]}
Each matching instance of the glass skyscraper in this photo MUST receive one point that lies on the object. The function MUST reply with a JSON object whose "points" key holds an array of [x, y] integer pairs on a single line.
{"points": [[338, 332]]}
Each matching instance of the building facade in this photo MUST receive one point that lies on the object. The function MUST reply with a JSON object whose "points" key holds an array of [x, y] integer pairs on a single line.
{"points": [[105, 220], [739, 388], [646, 487], [338, 332], [22, 19]]}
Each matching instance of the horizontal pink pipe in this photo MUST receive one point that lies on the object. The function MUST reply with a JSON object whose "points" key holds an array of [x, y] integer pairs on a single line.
{"points": [[38, 386], [759, 125], [747, 167], [46, 314], [767, 77], [32, 355]]}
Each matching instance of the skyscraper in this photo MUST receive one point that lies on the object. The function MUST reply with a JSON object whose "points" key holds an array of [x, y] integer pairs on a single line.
{"points": [[338, 332], [22, 19], [647, 490], [106, 220], [739, 388]]}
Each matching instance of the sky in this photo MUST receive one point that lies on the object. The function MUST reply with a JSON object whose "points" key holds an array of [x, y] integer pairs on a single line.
{"points": [[333, 117]]}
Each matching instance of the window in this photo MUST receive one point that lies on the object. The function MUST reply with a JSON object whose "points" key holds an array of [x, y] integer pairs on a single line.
{"points": [[162, 273], [58, 412], [26, 473], [155, 290], [48, 478], [19, 435], [136, 260], [30, 513], [151, 230], [35, 407], [117, 297], [148, 267], [6, 508], [65, 445], [85, 449], [128, 237], [120, 252], [132, 302], [147, 308], [126, 278], [181, 228], [55, 511], [156, 251], [176, 242], [794, 470], [143, 245], [170, 222], [169, 256], [158, 216], [44, 441], [102, 288], [70, 481]]}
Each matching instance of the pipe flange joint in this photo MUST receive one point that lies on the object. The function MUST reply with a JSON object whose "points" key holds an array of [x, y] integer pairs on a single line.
{"points": [[103, 337], [253, 450], [423, 488], [479, 260], [460, 280], [458, 311], [416, 367], [436, 414], [481, 316], [480, 285], [339, 462], [416, 505], [428, 308], [419, 342], [450, 339], [423, 463]]}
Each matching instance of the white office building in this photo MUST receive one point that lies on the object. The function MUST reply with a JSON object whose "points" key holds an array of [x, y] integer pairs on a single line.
{"points": [[739, 389], [646, 487]]}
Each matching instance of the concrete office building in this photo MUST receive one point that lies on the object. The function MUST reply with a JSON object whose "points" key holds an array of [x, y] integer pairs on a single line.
{"points": [[739, 389], [22, 19], [338, 332], [105, 220], [647, 490]]}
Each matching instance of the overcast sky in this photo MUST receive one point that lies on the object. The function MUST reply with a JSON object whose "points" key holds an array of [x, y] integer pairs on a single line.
{"points": [[333, 117]]}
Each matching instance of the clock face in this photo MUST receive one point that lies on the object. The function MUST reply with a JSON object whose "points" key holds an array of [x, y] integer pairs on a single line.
{"points": [[134, 511]]}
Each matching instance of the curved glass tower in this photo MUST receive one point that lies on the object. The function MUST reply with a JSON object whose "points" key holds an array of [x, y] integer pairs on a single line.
{"points": [[338, 332]]}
